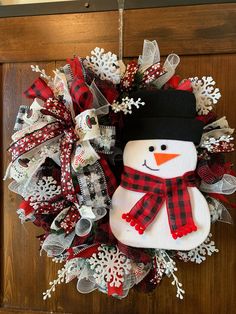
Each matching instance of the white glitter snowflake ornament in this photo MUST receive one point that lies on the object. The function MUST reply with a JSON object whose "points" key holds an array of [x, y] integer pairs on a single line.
{"points": [[105, 65], [206, 94], [45, 189], [110, 266], [198, 255]]}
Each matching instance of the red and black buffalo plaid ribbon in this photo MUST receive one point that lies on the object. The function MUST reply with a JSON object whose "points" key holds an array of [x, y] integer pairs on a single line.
{"points": [[172, 191], [39, 89], [211, 171], [80, 93]]}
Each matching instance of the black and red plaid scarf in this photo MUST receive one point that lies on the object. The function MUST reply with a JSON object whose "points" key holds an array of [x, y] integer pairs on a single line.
{"points": [[172, 191]]}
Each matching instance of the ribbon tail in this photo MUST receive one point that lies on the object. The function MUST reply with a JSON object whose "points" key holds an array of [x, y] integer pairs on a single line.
{"points": [[180, 214], [111, 290], [67, 186], [144, 212]]}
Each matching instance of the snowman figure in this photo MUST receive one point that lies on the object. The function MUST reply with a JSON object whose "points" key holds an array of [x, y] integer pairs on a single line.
{"points": [[158, 204]]}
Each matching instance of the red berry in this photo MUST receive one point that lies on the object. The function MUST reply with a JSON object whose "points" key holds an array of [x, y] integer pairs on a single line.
{"points": [[132, 223]]}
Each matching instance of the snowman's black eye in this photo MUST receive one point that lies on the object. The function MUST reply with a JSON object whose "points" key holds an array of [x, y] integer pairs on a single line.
{"points": [[151, 148], [163, 147]]}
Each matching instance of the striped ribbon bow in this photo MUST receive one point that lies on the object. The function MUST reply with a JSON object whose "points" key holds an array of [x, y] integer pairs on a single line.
{"points": [[61, 127]]}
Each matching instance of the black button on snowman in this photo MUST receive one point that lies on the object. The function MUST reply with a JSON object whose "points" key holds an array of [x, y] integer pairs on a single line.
{"points": [[157, 204]]}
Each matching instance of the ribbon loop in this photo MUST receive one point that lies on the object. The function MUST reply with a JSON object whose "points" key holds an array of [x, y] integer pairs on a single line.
{"points": [[150, 55], [79, 90]]}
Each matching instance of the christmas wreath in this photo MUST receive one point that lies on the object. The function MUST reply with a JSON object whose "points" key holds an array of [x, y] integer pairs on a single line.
{"points": [[67, 163]]}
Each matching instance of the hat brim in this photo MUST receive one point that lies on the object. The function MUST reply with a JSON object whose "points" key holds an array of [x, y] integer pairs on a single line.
{"points": [[164, 128]]}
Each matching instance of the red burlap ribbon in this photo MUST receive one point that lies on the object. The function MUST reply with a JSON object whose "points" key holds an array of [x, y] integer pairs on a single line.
{"points": [[176, 83]]}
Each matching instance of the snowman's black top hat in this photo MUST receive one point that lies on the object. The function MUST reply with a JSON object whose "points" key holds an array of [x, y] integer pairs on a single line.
{"points": [[167, 114]]}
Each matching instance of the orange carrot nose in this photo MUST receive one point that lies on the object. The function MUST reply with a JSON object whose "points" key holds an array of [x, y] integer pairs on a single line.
{"points": [[161, 158]]}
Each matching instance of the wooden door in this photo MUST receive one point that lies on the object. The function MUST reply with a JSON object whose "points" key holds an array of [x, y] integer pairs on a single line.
{"points": [[204, 37]]}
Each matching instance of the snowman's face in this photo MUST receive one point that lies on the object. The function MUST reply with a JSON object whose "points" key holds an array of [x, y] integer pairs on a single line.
{"points": [[161, 158]]}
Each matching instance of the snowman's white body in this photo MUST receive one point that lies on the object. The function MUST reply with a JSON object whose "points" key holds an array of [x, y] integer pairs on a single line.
{"points": [[158, 235]]}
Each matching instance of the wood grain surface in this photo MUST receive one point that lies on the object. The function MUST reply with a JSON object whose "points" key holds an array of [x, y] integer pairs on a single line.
{"points": [[210, 287], [1, 193], [187, 30]]}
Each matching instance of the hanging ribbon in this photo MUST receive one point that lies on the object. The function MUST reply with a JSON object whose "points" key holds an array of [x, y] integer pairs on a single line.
{"points": [[113, 290]]}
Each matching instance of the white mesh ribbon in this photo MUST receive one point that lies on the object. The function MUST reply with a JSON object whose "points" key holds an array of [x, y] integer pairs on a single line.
{"points": [[73, 268], [217, 134], [99, 212], [218, 211], [138, 272], [83, 227], [100, 103], [92, 213], [227, 185], [221, 123], [150, 55], [55, 244], [86, 282], [170, 65], [88, 216]]}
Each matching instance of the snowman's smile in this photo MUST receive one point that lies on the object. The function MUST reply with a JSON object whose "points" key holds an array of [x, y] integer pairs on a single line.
{"points": [[145, 165]]}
